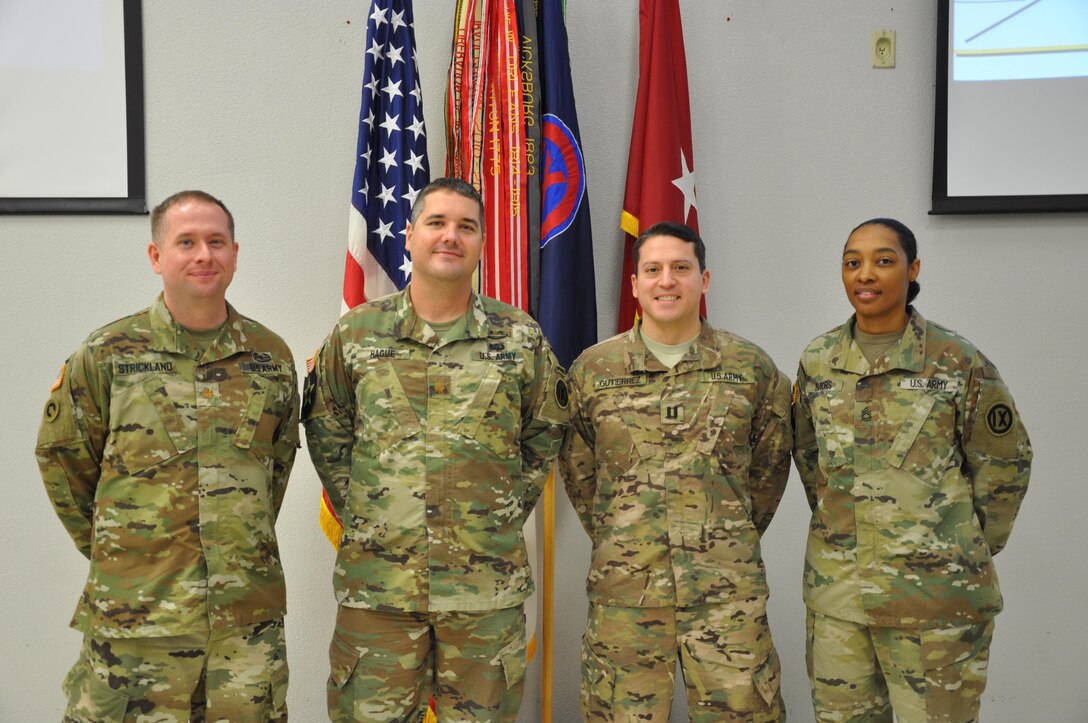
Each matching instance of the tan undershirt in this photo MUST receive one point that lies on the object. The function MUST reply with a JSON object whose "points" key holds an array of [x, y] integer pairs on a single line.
{"points": [[452, 329], [204, 338], [873, 346], [668, 354]]}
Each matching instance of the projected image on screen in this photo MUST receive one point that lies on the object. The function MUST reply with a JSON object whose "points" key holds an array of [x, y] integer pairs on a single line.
{"points": [[1019, 39], [1011, 99]]}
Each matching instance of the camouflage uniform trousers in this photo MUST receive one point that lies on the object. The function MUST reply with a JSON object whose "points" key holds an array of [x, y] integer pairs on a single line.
{"points": [[235, 674], [859, 674], [730, 667], [385, 665]]}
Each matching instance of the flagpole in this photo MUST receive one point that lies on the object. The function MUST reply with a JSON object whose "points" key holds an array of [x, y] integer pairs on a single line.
{"points": [[567, 309]]}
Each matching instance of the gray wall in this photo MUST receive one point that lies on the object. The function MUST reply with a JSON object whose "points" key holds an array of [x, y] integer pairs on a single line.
{"points": [[796, 140]]}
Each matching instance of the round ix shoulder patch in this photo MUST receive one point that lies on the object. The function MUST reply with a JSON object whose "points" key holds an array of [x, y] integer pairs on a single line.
{"points": [[999, 418], [562, 396], [52, 409]]}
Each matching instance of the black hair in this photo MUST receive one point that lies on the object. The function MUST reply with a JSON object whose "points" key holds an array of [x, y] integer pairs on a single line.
{"points": [[907, 243], [671, 228]]}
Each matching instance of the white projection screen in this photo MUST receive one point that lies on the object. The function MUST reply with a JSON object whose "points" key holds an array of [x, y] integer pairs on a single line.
{"points": [[1011, 131], [71, 107]]}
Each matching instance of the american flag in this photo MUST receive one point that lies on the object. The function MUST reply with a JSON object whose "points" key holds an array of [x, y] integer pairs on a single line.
{"points": [[391, 167]]}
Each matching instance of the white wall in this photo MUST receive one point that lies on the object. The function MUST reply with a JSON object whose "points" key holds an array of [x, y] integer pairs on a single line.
{"points": [[796, 140]]}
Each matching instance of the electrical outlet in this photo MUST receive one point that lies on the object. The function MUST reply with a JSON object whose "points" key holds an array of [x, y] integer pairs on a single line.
{"points": [[883, 48]]}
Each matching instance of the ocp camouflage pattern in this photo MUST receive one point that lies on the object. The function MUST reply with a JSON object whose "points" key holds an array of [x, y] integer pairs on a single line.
{"points": [[240, 675], [434, 452], [936, 675], [676, 473], [382, 663], [915, 469], [729, 665], [168, 469]]}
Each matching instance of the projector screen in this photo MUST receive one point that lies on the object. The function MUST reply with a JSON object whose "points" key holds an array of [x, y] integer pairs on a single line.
{"points": [[1011, 131], [71, 107]]}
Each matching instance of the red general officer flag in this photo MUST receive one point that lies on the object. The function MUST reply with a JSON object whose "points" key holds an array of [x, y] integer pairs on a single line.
{"points": [[660, 168]]}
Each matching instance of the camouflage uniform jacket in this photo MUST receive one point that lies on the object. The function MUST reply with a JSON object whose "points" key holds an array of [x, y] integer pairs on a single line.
{"points": [[676, 473], [914, 469], [433, 453], [168, 470]]}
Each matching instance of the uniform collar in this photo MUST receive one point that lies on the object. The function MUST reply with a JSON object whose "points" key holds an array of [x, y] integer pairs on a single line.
{"points": [[909, 353], [169, 336], [405, 326], [703, 354]]}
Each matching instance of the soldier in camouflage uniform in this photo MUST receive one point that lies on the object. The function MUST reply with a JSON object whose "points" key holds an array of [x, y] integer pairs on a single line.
{"points": [[165, 447], [914, 461], [432, 416], [676, 463]]}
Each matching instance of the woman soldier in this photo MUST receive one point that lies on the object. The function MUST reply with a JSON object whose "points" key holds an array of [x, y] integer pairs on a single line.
{"points": [[914, 462]]}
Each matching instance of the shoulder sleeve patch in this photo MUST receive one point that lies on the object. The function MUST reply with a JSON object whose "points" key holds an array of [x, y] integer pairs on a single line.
{"points": [[999, 418], [553, 408], [562, 394], [58, 425], [996, 425]]}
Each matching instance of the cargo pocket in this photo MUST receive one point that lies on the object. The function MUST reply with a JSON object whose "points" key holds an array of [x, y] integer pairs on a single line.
{"points": [[279, 678], [956, 662], [767, 679], [89, 699], [598, 686], [744, 682], [512, 660], [343, 659], [810, 642]]}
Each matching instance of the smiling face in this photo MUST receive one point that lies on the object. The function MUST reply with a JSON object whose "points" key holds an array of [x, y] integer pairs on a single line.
{"points": [[876, 275], [446, 239], [196, 256], [668, 285]]}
